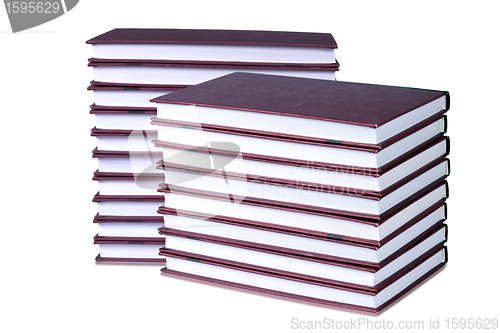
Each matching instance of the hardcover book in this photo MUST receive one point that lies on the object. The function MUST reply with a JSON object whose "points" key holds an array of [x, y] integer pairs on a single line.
{"points": [[123, 117], [127, 205], [127, 96], [249, 213], [161, 74], [94, 109], [135, 162], [340, 273], [273, 283], [129, 249], [122, 183], [343, 112], [217, 46], [276, 170], [125, 140], [304, 243], [128, 226], [290, 197]]}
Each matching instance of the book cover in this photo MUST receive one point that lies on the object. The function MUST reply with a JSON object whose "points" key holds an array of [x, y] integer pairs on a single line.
{"points": [[217, 37], [359, 104]]}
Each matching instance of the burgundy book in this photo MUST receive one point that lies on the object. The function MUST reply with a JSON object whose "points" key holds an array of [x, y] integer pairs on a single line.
{"points": [[360, 104], [126, 140], [127, 205], [96, 153], [207, 63], [102, 259], [199, 209], [234, 66], [121, 132], [99, 175], [129, 240], [98, 218], [129, 249], [307, 196], [271, 282], [339, 273], [169, 167], [93, 86], [129, 198], [124, 161], [344, 168], [96, 85], [321, 235], [156, 74], [215, 37], [301, 242], [293, 206], [252, 201], [132, 96], [177, 151], [306, 139], [202, 46], [244, 255], [167, 251], [105, 109], [334, 111], [128, 183]]}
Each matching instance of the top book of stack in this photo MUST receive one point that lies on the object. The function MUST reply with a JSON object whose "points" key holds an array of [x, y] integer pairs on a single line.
{"points": [[239, 47], [328, 112]]}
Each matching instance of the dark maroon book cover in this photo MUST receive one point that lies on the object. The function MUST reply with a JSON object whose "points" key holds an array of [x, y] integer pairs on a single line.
{"points": [[231, 65], [217, 239], [137, 86], [303, 208], [100, 175], [345, 102], [129, 240], [167, 252], [162, 88], [303, 139], [105, 109], [302, 185], [97, 153], [373, 220], [101, 259], [310, 164], [98, 218], [159, 241], [294, 231], [140, 198], [211, 63], [215, 37], [120, 132], [168, 271], [278, 160]]}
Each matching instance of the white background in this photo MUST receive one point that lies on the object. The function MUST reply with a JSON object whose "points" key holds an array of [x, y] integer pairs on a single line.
{"points": [[49, 279]]}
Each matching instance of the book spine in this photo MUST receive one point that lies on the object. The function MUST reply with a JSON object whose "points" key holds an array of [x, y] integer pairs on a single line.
{"points": [[447, 146], [445, 211], [447, 97], [445, 233], [445, 255]]}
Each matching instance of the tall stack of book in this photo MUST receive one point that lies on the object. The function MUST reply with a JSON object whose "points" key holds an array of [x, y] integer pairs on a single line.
{"points": [[325, 191], [131, 66]]}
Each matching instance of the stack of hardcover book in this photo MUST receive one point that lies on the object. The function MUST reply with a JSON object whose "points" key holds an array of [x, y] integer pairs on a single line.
{"points": [[132, 66], [326, 191]]}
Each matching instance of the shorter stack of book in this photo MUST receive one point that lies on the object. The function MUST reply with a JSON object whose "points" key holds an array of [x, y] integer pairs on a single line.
{"points": [[132, 66], [127, 200], [331, 192]]}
